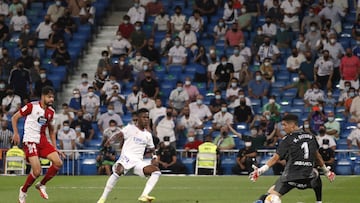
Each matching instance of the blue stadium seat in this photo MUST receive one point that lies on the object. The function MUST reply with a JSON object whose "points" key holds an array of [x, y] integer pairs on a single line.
{"points": [[56, 80], [298, 102], [227, 163], [88, 167], [189, 164], [343, 167]]}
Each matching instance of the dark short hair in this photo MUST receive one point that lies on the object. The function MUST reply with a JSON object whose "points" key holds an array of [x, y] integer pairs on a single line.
{"points": [[112, 121], [142, 110], [291, 118], [47, 90]]}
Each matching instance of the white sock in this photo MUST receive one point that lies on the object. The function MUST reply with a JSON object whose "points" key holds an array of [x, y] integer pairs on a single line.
{"points": [[110, 185], [150, 184], [318, 201]]}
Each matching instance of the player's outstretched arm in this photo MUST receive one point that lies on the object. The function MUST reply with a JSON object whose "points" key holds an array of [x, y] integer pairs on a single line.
{"points": [[328, 173], [14, 122], [117, 136], [259, 171]]}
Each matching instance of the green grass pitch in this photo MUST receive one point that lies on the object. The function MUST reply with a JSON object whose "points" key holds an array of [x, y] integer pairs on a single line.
{"points": [[176, 189]]}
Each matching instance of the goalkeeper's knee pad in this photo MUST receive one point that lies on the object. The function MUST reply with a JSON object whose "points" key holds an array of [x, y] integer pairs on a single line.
{"points": [[272, 199]]}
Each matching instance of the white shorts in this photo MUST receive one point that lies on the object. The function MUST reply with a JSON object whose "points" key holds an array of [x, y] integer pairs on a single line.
{"points": [[136, 164]]}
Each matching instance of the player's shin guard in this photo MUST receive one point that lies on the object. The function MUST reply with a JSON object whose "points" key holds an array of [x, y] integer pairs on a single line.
{"points": [[272, 199], [29, 181], [150, 184], [111, 182], [52, 171]]}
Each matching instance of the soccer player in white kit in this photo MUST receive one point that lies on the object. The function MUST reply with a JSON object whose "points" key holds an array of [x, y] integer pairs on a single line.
{"points": [[39, 115], [136, 140]]}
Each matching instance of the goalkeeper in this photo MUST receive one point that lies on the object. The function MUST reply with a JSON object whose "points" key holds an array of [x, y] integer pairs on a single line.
{"points": [[300, 150]]}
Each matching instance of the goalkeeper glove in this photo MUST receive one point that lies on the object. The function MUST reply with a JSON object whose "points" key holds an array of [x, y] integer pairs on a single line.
{"points": [[257, 172], [329, 174]]}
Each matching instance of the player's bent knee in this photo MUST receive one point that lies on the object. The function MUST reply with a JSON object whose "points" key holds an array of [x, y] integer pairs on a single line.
{"points": [[271, 198], [58, 163], [36, 172], [157, 173], [118, 169]]}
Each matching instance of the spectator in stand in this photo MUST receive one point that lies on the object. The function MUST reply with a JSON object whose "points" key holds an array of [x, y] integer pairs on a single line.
{"points": [[107, 89], [44, 81], [154, 8], [15, 6], [119, 46], [355, 108], [3, 85], [196, 22], [6, 63], [324, 136], [80, 137], [75, 6], [149, 86], [244, 20], [161, 22], [18, 21], [189, 122], [224, 141], [267, 70], [313, 95], [317, 117], [122, 71], [165, 127], [243, 113], [146, 102], [200, 110], [233, 36], [177, 54], [334, 13], [267, 50], [313, 36], [211, 68], [307, 66], [192, 143], [291, 10], [245, 159], [258, 88], [26, 58], [85, 125], [156, 112], [136, 13], [66, 137], [105, 160], [274, 108], [344, 93], [302, 86], [188, 39], [191, 90], [6, 135], [112, 128], [294, 61], [4, 9], [221, 119], [11, 103], [269, 28], [138, 62], [66, 22], [44, 28], [275, 12], [223, 73], [25, 35], [117, 100], [126, 28], [253, 7], [232, 91], [349, 100], [138, 37], [32, 50], [308, 128], [56, 10], [309, 19], [237, 60], [166, 44], [178, 97], [90, 104], [283, 37], [241, 94], [205, 7], [75, 101], [87, 13], [324, 71], [216, 102], [4, 32], [133, 99], [141, 75], [61, 57], [177, 20], [65, 115], [20, 81], [327, 154], [84, 84], [104, 63], [230, 13], [355, 32], [219, 30], [151, 52], [332, 126], [105, 119], [168, 162], [55, 38], [353, 140], [350, 69], [200, 57]]}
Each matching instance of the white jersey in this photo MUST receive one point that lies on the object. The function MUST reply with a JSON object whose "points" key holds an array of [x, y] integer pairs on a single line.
{"points": [[37, 119], [67, 138], [135, 142]]}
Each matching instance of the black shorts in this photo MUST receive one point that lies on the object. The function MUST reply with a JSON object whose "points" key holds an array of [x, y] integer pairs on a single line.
{"points": [[284, 187]]}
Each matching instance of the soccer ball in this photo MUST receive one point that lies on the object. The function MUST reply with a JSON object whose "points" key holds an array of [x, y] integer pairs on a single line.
{"points": [[272, 199]]}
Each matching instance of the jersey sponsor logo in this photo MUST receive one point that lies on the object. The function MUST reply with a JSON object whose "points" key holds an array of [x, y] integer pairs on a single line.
{"points": [[42, 120], [298, 185], [139, 141], [303, 163]]}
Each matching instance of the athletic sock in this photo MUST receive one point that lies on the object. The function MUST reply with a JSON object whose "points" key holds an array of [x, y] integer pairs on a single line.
{"points": [[29, 181], [110, 184], [150, 184], [52, 171]]}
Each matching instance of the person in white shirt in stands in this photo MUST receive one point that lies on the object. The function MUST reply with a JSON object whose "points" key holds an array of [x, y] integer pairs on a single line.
{"points": [[84, 85], [232, 92], [117, 100], [291, 10], [87, 13], [178, 97], [138, 62], [245, 51], [133, 99], [353, 140], [188, 38], [230, 13], [177, 54], [334, 13], [222, 118], [220, 30], [119, 46], [190, 122], [136, 13], [177, 21], [146, 102], [196, 22], [18, 21], [136, 139], [268, 50], [324, 69], [44, 30], [323, 135], [268, 4], [12, 101], [67, 136], [56, 11], [313, 95], [161, 22], [236, 103], [165, 126], [65, 115], [107, 89], [293, 62], [200, 110], [90, 103], [156, 112], [112, 129], [214, 63], [104, 118], [355, 108], [269, 28], [4, 9], [237, 60]]}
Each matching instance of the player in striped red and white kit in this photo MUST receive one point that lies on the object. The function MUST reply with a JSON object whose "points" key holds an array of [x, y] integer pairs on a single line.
{"points": [[38, 117]]}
